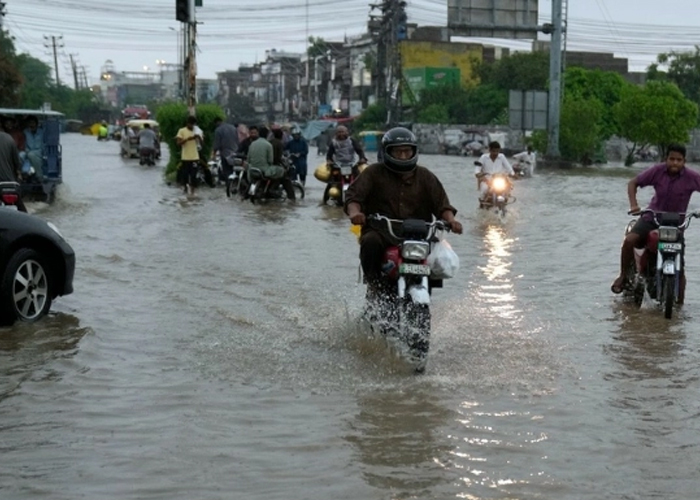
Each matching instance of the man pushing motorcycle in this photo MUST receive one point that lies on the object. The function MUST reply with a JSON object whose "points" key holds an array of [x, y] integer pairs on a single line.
{"points": [[397, 188], [673, 185]]}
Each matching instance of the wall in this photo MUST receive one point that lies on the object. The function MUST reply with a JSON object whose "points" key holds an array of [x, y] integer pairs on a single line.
{"points": [[430, 136], [443, 55]]}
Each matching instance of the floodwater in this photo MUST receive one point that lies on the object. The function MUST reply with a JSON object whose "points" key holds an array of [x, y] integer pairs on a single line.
{"points": [[211, 350]]}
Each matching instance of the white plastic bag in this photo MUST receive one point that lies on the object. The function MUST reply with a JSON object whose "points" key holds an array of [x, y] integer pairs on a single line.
{"points": [[443, 261]]}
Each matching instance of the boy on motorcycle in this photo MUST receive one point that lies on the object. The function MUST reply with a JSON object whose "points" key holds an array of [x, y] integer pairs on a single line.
{"points": [[673, 186], [489, 164], [397, 188]]}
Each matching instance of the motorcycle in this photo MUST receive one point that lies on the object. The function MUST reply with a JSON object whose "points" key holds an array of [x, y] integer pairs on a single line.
{"points": [[401, 311], [147, 156], [10, 194], [237, 181], [341, 176], [522, 169], [498, 196], [657, 269], [263, 188]]}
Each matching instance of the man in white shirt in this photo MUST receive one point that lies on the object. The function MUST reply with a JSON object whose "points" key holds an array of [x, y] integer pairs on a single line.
{"points": [[525, 162], [492, 163]]}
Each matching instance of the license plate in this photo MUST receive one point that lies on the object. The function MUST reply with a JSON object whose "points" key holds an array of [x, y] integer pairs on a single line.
{"points": [[345, 170], [671, 246], [420, 269]]}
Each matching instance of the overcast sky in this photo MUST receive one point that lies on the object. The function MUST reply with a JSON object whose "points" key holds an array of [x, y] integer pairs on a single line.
{"points": [[134, 34]]}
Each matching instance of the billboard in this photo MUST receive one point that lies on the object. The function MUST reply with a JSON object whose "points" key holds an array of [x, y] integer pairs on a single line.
{"points": [[527, 109], [493, 18]]}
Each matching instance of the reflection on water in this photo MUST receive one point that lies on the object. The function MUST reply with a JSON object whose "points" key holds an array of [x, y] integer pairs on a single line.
{"points": [[26, 347], [646, 343], [498, 291], [399, 441]]}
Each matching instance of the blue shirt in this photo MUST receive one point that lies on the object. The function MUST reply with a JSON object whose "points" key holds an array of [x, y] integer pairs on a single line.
{"points": [[34, 140]]}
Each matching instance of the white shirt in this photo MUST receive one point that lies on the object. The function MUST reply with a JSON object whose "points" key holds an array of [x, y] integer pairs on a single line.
{"points": [[525, 157], [198, 131], [490, 167]]}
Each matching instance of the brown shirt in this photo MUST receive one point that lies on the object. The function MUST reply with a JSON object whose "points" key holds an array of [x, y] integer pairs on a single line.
{"points": [[414, 195], [9, 158]]}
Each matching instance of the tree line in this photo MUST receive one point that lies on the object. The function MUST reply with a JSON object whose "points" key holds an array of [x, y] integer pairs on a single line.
{"points": [[597, 105], [26, 83]]}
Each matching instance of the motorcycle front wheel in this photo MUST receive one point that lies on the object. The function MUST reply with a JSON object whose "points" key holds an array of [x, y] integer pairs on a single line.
{"points": [[416, 328], [668, 292]]}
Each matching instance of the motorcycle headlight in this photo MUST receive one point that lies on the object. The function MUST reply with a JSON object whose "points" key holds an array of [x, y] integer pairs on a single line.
{"points": [[415, 250], [499, 184], [668, 233]]}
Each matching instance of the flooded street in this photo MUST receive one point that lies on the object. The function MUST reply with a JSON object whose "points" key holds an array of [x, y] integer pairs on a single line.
{"points": [[211, 351]]}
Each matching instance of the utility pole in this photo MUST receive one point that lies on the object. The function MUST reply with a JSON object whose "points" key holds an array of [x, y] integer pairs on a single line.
{"points": [[74, 67], [390, 31], [54, 45], [555, 71], [191, 58], [2, 14]]}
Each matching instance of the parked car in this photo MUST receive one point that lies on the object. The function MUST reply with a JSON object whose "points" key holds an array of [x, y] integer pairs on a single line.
{"points": [[36, 266]]}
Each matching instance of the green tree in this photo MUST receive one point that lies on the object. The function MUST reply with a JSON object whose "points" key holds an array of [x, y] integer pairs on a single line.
{"points": [[372, 118], [605, 86], [10, 77], [435, 113], [580, 130], [683, 70], [656, 114], [518, 71], [173, 116], [480, 105]]}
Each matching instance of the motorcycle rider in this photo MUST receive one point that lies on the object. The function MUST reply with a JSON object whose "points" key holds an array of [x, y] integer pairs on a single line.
{"points": [[261, 156], [299, 150], [398, 188], [525, 161], [673, 185], [226, 144], [492, 163], [147, 143], [343, 148]]}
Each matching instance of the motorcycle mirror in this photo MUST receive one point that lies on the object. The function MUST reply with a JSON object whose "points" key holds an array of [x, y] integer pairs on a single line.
{"points": [[478, 163]]}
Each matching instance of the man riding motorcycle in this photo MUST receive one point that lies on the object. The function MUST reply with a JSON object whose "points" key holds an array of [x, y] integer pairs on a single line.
{"points": [[343, 148], [398, 188], [489, 164], [673, 186]]}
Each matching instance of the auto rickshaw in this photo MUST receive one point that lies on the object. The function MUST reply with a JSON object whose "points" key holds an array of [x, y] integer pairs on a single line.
{"points": [[42, 169], [129, 144]]}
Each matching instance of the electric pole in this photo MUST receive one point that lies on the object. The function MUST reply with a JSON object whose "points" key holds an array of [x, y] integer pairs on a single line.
{"points": [[2, 14], [555, 71], [74, 67], [191, 58], [55, 44]]}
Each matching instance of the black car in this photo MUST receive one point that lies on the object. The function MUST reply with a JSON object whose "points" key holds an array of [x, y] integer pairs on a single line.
{"points": [[36, 266]]}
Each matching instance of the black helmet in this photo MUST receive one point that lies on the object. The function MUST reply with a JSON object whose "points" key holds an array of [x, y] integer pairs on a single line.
{"points": [[399, 136]]}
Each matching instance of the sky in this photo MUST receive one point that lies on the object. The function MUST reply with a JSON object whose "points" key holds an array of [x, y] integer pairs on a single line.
{"points": [[136, 34]]}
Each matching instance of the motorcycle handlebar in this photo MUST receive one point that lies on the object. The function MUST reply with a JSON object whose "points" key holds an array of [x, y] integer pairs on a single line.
{"points": [[687, 216], [435, 225]]}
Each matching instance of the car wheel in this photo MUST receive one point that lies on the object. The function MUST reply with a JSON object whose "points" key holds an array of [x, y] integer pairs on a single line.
{"points": [[25, 288]]}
